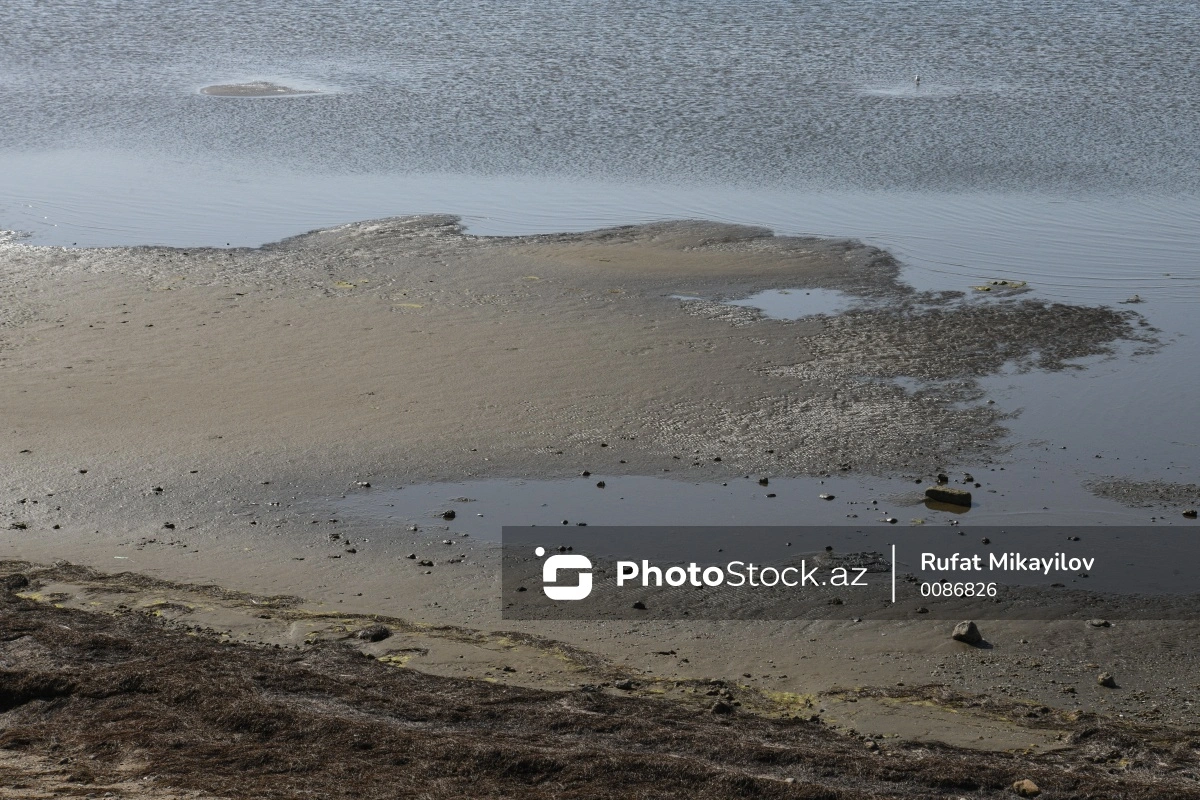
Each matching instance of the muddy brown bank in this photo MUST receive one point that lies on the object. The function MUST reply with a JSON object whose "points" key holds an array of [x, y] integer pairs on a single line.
{"points": [[213, 388]]}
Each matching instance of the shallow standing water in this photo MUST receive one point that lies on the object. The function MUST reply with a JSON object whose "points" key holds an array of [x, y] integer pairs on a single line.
{"points": [[1048, 142]]}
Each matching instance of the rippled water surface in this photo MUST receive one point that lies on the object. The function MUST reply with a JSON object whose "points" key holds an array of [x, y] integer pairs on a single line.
{"points": [[1053, 142], [1096, 95]]}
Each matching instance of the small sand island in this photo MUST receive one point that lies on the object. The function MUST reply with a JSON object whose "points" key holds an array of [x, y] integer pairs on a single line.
{"points": [[253, 89]]}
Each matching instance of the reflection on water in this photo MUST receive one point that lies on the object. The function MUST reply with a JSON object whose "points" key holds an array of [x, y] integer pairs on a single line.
{"points": [[798, 303]]}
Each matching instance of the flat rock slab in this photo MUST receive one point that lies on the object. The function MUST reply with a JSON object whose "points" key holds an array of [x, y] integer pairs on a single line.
{"points": [[947, 494], [253, 89]]}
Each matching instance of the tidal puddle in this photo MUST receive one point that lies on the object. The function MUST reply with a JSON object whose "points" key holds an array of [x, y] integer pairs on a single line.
{"points": [[481, 508], [793, 303], [799, 303]]}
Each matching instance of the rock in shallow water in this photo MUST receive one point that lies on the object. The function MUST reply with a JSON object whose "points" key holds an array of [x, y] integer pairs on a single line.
{"points": [[948, 494]]}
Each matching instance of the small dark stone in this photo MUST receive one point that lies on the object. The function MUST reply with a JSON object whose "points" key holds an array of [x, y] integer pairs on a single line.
{"points": [[624, 685], [763, 481], [411, 555], [449, 514], [425, 563], [922, 610], [1106, 680], [585, 473], [986, 540], [771, 494], [639, 605], [169, 526], [1190, 513], [522, 589], [721, 708], [599, 484]]}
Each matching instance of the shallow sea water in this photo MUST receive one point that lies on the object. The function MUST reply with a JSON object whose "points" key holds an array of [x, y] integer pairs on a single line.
{"points": [[1047, 142]]}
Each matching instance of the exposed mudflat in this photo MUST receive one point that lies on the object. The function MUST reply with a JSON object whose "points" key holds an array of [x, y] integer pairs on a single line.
{"points": [[407, 342], [253, 89], [1148, 494], [192, 415]]}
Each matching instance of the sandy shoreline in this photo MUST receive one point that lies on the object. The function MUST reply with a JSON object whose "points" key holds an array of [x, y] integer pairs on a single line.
{"points": [[227, 392]]}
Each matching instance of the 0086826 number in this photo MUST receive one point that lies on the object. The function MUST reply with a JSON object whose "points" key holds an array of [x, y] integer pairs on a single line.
{"points": [[949, 589]]}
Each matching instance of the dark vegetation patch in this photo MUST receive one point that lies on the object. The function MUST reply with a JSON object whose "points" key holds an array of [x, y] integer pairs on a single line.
{"points": [[254, 722]]}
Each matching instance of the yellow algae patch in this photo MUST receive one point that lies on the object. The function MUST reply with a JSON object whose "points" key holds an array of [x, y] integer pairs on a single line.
{"points": [[409, 305], [791, 700]]}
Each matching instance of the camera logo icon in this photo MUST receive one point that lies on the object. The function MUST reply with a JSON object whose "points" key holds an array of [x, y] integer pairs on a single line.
{"points": [[565, 562]]}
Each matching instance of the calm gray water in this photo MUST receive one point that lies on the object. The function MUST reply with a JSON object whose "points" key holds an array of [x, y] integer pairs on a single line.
{"points": [[1053, 142]]}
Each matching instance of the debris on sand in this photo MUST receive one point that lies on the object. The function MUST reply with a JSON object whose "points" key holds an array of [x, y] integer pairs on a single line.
{"points": [[1106, 680], [1026, 788], [374, 633]]}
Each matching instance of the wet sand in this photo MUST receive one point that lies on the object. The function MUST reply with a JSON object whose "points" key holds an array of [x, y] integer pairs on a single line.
{"points": [[174, 414]]}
